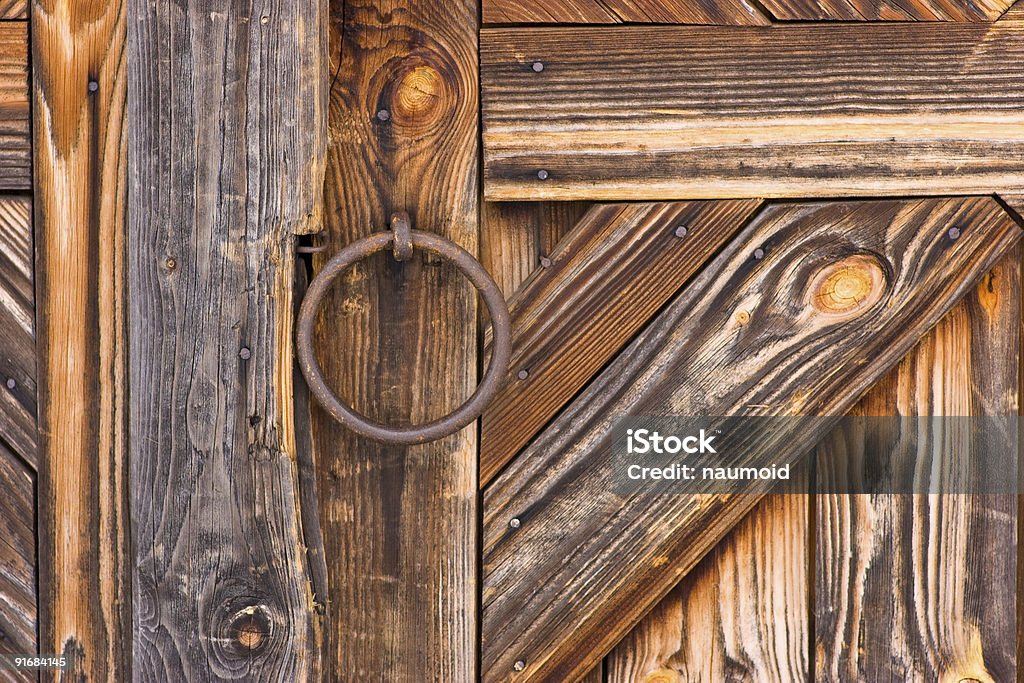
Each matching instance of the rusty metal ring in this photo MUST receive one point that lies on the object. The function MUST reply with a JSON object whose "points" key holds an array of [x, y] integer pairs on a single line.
{"points": [[415, 434]]}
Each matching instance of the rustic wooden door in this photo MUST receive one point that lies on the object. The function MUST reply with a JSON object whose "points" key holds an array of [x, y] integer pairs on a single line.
{"points": [[758, 208]]}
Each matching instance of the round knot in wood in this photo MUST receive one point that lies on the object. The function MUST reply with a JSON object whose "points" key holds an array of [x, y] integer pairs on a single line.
{"points": [[420, 95], [848, 287], [250, 628], [663, 675]]}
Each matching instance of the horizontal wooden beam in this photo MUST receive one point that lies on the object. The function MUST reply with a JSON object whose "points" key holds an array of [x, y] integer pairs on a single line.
{"points": [[584, 563], [683, 112], [15, 165]]}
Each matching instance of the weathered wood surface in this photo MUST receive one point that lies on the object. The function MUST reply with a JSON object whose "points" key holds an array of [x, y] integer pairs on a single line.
{"points": [[742, 614], [78, 204], [227, 150], [924, 585], [13, 9], [398, 341], [603, 282], [788, 111], [1016, 204], [17, 561], [887, 10], [15, 164], [17, 335], [586, 564], [736, 12]]}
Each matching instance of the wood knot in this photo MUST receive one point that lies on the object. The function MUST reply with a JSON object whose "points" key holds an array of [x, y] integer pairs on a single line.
{"points": [[848, 287], [663, 675], [250, 628], [420, 94]]}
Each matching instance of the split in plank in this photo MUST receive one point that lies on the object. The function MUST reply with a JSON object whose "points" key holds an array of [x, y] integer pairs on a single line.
{"points": [[786, 111], [587, 563]]}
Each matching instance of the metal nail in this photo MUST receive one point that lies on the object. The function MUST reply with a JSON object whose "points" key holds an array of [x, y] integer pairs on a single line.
{"points": [[519, 665], [542, 174], [245, 353], [954, 233], [538, 66], [523, 374], [545, 262], [93, 86], [515, 523], [681, 231], [383, 115], [759, 254], [11, 383]]}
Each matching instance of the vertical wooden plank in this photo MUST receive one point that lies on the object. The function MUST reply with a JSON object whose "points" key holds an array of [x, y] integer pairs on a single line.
{"points": [[226, 153], [918, 586], [399, 342], [741, 614], [78, 98]]}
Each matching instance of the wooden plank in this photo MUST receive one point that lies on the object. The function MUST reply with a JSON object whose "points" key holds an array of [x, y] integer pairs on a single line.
{"points": [[227, 151], [17, 334], [399, 342], [78, 204], [792, 111], [585, 564], [1016, 204], [737, 12], [924, 584], [605, 280], [13, 9], [15, 165], [742, 614], [17, 562], [887, 10]]}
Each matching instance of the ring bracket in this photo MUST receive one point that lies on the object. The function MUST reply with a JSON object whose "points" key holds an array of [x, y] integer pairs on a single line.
{"points": [[401, 228]]}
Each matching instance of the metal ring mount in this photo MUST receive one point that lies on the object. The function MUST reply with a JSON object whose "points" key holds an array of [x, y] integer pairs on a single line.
{"points": [[400, 237]]}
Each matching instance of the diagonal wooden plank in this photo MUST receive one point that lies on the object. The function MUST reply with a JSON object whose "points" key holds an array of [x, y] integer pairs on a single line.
{"points": [[741, 614], [887, 10], [13, 9], [584, 564], [603, 282], [725, 12], [15, 167], [676, 112], [17, 561], [17, 336], [935, 574]]}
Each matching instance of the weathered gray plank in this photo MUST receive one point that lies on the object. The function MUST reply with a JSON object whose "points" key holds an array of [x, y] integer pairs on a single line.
{"points": [[399, 342], [585, 564], [79, 204], [924, 584], [226, 150], [787, 111], [17, 333]]}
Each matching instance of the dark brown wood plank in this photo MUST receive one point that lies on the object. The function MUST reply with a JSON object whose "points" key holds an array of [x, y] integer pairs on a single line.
{"points": [[78, 204], [730, 12], [13, 9], [789, 111], [924, 584], [15, 166], [17, 335], [742, 614], [17, 562], [603, 282], [398, 341], [227, 146], [887, 10], [584, 564]]}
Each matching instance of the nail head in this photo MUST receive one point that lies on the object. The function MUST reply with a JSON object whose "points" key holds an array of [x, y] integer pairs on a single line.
{"points": [[681, 231], [759, 254], [954, 233], [523, 374], [515, 523], [519, 665], [538, 66], [542, 174], [93, 86], [11, 383], [383, 115], [545, 262], [245, 353]]}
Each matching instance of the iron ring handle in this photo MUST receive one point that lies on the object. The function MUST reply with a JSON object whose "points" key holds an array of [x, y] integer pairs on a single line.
{"points": [[415, 434]]}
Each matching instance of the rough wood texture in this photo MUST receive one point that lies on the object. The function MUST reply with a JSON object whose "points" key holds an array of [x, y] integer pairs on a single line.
{"points": [[738, 12], [791, 111], [227, 151], [15, 165], [13, 9], [586, 564], [17, 561], [887, 10], [84, 570], [925, 584], [740, 615], [17, 336], [398, 341], [605, 280]]}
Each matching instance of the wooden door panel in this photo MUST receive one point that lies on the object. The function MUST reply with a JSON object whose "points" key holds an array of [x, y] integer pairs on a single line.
{"points": [[787, 111], [561, 577]]}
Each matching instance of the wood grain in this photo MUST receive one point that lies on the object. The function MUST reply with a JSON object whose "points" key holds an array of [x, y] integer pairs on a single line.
{"points": [[17, 334], [586, 564], [737, 12], [924, 584], [605, 280], [398, 342], [13, 9], [79, 204], [886, 10], [227, 151], [790, 111], [741, 614], [17, 562], [15, 152]]}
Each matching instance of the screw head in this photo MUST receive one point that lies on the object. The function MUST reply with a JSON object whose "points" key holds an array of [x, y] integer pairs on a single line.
{"points": [[954, 233], [11, 383], [681, 231], [519, 665], [542, 174], [515, 523], [523, 374], [759, 254], [245, 353], [383, 115], [538, 67]]}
